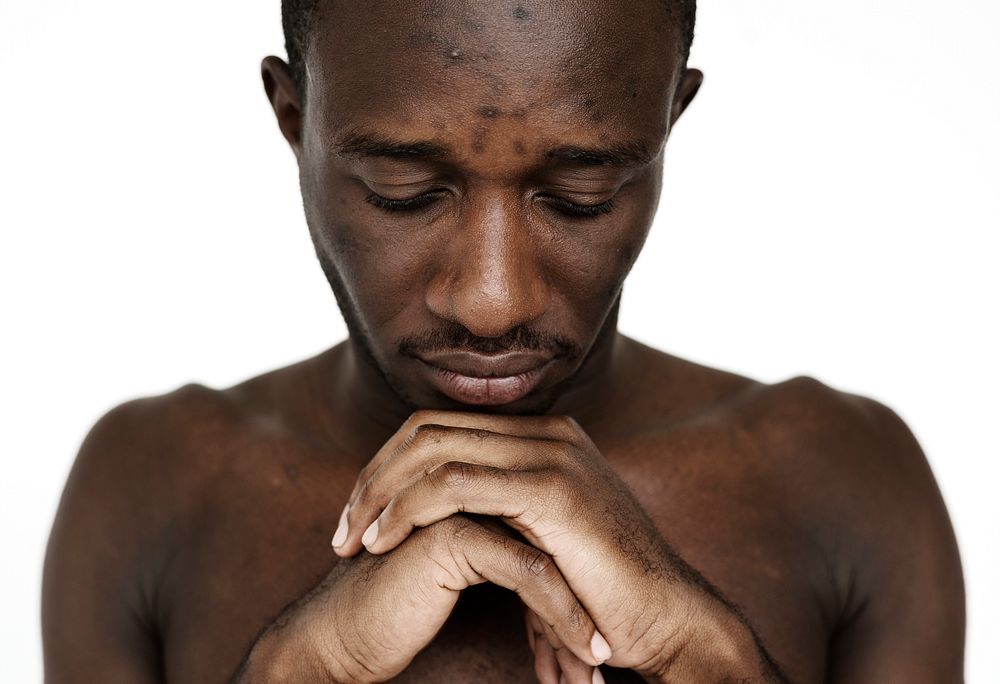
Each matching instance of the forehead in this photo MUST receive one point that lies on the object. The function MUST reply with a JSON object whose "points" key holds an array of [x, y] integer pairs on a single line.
{"points": [[601, 68]]}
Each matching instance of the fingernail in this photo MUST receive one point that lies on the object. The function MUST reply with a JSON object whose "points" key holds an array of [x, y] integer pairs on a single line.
{"points": [[598, 677], [340, 536], [600, 648], [370, 535]]}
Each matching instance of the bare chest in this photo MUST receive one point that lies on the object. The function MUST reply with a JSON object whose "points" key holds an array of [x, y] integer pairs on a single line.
{"points": [[263, 540]]}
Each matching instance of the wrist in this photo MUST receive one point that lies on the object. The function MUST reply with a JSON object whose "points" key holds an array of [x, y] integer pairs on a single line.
{"points": [[713, 643], [278, 657]]}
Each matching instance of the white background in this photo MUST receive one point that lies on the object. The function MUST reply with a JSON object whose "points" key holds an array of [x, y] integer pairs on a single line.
{"points": [[831, 207]]}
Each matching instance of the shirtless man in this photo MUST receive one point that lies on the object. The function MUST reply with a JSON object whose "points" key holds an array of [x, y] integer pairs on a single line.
{"points": [[514, 490]]}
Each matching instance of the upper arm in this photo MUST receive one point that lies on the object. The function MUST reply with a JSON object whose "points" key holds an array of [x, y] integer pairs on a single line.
{"points": [[96, 622], [905, 614]]}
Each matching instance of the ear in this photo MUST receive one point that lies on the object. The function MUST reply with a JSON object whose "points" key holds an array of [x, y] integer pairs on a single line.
{"points": [[280, 89], [686, 90]]}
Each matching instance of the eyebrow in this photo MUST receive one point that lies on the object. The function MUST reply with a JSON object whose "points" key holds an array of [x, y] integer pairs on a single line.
{"points": [[622, 155], [370, 145]]}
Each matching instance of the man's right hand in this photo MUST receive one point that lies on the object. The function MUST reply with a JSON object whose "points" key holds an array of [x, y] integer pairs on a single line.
{"points": [[372, 614]]}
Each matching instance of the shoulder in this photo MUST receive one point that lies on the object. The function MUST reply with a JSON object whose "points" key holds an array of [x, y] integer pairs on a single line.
{"points": [[142, 480], [823, 452], [99, 602], [849, 477], [150, 464], [857, 477], [152, 454], [143, 447], [845, 455], [127, 481], [857, 446], [798, 428]]}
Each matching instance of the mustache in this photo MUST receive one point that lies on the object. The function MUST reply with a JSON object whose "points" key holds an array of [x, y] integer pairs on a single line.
{"points": [[455, 337]]}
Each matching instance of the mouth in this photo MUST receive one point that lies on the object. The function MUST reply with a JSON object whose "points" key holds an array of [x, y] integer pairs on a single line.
{"points": [[486, 380]]}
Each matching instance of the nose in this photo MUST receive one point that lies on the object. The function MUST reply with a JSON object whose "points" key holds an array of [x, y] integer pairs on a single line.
{"points": [[489, 280]]}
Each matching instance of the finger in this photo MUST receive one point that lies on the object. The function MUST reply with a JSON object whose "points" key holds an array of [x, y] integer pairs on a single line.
{"points": [[546, 666], [534, 624], [431, 447], [567, 667], [547, 427], [530, 629], [551, 427], [457, 487], [533, 575], [550, 636], [574, 671]]}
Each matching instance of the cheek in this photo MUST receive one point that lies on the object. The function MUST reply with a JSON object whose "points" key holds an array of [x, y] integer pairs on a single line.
{"points": [[381, 265], [591, 263]]}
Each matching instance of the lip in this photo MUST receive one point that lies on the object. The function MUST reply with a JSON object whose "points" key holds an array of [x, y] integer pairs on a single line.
{"points": [[482, 380]]}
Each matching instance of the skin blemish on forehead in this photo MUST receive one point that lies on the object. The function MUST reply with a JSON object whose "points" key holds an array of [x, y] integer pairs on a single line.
{"points": [[521, 13], [479, 139], [455, 53], [490, 112], [519, 146], [425, 39]]}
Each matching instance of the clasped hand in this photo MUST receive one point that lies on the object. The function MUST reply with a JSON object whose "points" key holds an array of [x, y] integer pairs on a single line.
{"points": [[599, 582]]}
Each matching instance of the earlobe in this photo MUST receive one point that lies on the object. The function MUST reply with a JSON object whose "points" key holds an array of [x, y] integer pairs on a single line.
{"points": [[686, 90], [281, 92]]}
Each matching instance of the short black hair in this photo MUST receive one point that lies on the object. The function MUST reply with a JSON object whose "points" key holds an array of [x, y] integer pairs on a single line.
{"points": [[298, 17]]}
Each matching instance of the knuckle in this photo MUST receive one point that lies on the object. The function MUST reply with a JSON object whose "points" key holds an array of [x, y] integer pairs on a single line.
{"points": [[500, 475], [364, 495], [433, 537], [478, 434], [365, 473], [576, 619], [426, 434], [454, 529], [564, 425], [563, 451], [455, 536], [423, 416], [570, 423], [457, 475], [560, 495], [537, 563]]}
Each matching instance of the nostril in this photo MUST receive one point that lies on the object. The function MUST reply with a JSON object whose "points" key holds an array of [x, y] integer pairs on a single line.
{"points": [[489, 307]]}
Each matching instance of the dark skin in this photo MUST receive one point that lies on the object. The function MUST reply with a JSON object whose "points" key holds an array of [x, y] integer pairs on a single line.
{"points": [[478, 180]]}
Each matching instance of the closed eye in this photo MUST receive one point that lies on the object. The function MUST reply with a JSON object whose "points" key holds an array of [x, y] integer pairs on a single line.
{"points": [[424, 200], [575, 210], [409, 204]]}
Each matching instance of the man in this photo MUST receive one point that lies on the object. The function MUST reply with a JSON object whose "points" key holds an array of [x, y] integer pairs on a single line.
{"points": [[513, 489]]}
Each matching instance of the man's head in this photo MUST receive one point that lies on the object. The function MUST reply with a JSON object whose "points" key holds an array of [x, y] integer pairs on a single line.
{"points": [[479, 177]]}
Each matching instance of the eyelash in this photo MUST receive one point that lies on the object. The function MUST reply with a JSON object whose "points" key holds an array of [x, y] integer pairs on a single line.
{"points": [[584, 211], [394, 205], [565, 207]]}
